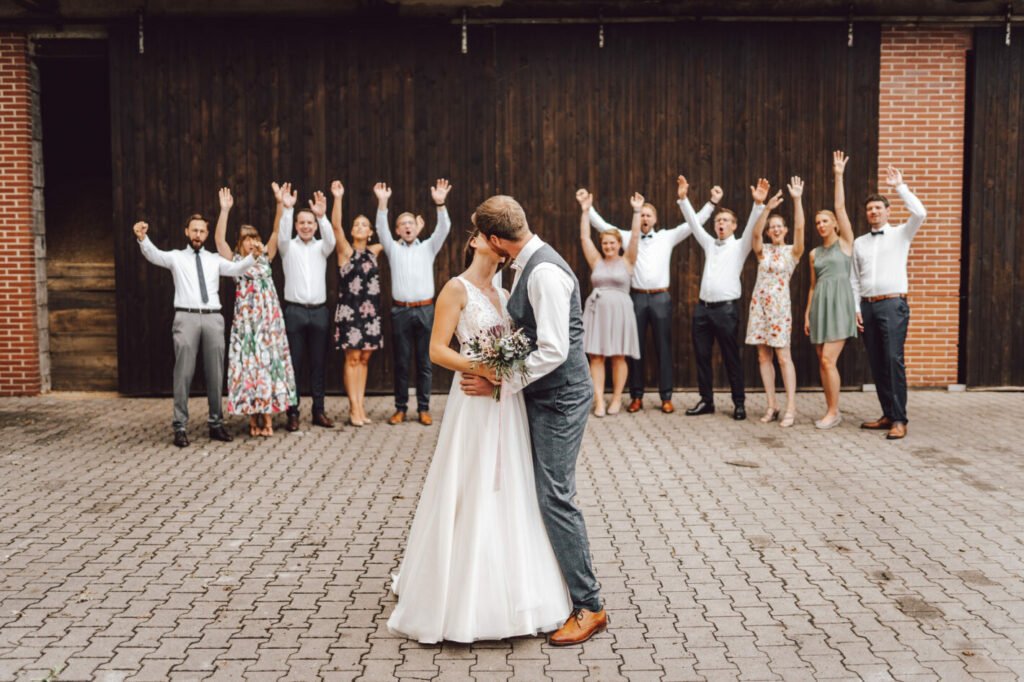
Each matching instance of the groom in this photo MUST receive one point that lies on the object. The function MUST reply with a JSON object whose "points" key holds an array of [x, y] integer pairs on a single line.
{"points": [[545, 304]]}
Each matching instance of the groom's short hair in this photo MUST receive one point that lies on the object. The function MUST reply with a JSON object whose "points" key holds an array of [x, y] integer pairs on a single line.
{"points": [[501, 216]]}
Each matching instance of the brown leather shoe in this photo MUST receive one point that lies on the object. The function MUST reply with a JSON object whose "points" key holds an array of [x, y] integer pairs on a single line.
{"points": [[581, 626], [635, 405], [397, 418], [293, 423], [666, 407], [322, 420], [880, 424], [897, 432], [426, 419]]}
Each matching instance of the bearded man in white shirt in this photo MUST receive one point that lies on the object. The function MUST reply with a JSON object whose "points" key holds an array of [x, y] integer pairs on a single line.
{"points": [[879, 279]]}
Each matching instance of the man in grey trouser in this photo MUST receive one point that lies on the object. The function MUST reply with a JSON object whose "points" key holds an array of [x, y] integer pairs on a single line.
{"points": [[197, 319], [545, 305]]}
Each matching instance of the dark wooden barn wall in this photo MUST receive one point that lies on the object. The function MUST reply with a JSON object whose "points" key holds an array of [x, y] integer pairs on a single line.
{"points": [[531, 111], [995, 315]]}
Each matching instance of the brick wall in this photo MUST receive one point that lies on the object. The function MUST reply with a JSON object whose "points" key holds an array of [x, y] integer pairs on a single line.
{"points": [[19, 347], [921, 132]]}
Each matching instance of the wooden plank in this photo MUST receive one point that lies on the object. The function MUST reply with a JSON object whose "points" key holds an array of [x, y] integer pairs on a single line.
{"points": [[100, 344], [82, 321]]}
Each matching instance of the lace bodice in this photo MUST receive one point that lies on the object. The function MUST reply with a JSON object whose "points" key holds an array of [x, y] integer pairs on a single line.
{"points": [[479, 314]]}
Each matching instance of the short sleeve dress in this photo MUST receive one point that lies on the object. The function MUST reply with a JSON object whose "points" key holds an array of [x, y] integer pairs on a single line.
{"points": [[770, 321], [357, 323]]}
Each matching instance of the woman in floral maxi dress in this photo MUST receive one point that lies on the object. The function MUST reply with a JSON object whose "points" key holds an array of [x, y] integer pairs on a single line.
{"points": [[357, 318], [261, 379]]}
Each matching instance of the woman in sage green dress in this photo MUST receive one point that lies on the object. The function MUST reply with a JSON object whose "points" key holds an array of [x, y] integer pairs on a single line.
{"points": [[831, 317]]}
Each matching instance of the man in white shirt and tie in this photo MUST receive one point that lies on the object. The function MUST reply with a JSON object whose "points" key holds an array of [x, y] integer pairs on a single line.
{"points": [[411, 262], [197, 319], [652, 302], [306, 318], [879, 279], [716, 316]]}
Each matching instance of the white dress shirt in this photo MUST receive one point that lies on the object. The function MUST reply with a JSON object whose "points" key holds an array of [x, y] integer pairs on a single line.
{"points": [[550, 292], [723, 259], [182, 265], [880, 257], [655, 250], [305, 263], [412, 265]]}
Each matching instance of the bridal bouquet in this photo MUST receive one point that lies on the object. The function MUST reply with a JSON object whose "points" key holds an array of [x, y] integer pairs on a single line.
{"points": [[503, 350]]}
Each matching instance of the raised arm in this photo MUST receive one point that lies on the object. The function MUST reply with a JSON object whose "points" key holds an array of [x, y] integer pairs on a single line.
{"points": [[684, 229], [439, 193], [894, 178], [380, 223], [271, 249], [590, 252], [284, 225], [759, 192], [220, 233], [839, 160], [342, 247], [149, 250], [796, 191], [637, 203], [757, 238], [318, 205], [702, 236]]}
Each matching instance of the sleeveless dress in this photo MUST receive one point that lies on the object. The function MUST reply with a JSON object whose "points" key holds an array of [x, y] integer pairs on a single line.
{"points": [[261, 379], [833, 315], [609, 323], [478, 563], [357, 315], [770, 321]]}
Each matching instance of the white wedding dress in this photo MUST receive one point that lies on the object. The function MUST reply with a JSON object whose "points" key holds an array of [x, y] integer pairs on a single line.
{"points": [[478, 564]]}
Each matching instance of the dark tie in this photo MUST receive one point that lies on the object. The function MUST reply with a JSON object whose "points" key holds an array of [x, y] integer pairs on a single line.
{"points": [[649, 235], [202, 279], [875, 234]]}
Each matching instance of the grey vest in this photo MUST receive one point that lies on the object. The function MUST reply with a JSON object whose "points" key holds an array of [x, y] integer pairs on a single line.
{"points": [[575, 369]]}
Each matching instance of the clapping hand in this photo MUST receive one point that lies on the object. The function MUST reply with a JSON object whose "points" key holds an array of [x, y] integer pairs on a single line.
{"points": [[682, 187], [760, 192], [439, 192], [288, 197], [318, 204], [226, 200], [585, 199], [839, 160], [893, 177], [637, 202], [337, 189], [140, 228], [775, 201], [796, 187]]}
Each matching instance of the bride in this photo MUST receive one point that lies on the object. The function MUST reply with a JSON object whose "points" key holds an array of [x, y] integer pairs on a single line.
{"points": [[478, 564]]}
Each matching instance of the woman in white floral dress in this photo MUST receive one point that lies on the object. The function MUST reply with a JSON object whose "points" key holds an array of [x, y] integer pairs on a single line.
{"points": [[357, 329]]}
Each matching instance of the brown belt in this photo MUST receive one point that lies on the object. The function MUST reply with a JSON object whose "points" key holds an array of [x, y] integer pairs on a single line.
{"points": [[649, 291], [413, 304], [885, 297]]}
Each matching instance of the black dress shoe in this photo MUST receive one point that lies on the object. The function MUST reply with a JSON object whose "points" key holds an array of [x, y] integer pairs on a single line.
{"points": [[701, 408], [181, 439], [739, 413], [293, 423], [220, 433]]}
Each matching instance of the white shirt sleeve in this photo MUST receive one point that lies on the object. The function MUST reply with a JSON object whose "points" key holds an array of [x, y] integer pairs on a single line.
{"points": [[441, 230], [855, 278], [384, 231], [230, 268], [327, 240], [747, 238], [916, 208], [284, 230], [550, 292], [153, 254], [702, 236]]}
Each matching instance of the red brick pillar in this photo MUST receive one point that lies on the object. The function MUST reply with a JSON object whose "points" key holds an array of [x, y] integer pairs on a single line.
{"points": [[921, 132], [19, 346]]}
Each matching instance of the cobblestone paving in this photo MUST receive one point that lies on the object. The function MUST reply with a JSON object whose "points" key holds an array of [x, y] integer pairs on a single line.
{"points": [[725, 550]]}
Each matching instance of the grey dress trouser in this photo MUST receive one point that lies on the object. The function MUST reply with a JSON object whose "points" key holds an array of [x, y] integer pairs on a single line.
{"points": [[192, 331]]}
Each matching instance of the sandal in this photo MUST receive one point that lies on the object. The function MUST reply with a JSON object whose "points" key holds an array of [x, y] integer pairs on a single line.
{"points": [[771, 415], [787, 420], [254, 428]]}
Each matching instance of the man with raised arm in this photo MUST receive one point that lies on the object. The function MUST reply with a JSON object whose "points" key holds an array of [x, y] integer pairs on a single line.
{"points": [[412, 294], [879, 279], [305, 294], [716, 316], [652, 302], [197, 318]]}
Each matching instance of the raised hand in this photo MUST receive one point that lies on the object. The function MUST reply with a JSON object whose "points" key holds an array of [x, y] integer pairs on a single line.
{"points": [[839, 160], [893, 177], [278, 192], [140, 228], [382, 191], [420, 223], [318, 204], [337, 189], [585, 199], [775, 201], [226, 200], [796, 187], [760, 192], [682, 187], [716, 194], [288, 197], [637, 202], [439, 192]]}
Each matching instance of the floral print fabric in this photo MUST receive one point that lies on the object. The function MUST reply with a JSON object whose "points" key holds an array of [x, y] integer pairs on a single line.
{"points": [[261, 379], [771, 319], [357, 317]]}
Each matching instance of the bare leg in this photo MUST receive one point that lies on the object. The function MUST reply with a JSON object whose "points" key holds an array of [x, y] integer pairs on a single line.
{"points": [[364, 373], [597, 376], [351, 380], [619, 372], [785, 358], [766, 363], [828, 357]]}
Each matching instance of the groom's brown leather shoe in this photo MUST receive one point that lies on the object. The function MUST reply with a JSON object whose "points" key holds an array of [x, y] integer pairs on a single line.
{"points": [[635, 405], [581, 626], [880, 424]]}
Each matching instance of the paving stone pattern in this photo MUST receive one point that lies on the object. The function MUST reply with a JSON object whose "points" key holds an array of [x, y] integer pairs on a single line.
{"points": [[725, 550]]}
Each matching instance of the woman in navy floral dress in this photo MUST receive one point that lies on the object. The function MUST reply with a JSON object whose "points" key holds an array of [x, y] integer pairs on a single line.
{"points": [[357, 320]]}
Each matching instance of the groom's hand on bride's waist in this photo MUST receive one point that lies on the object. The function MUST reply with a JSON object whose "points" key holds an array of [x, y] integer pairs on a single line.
{"points": [[476, 385]]}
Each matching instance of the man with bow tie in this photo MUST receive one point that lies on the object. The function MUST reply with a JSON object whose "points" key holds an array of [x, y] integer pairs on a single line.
{"points": [[197, 318], [716, 316], [652, 302], [879, 279]]}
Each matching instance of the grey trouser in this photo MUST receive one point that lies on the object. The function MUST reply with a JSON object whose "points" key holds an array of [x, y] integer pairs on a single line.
{"points": [[652, 310], [885, 333], [558, 418], [190, 330]]}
